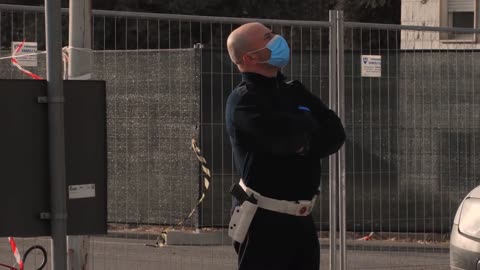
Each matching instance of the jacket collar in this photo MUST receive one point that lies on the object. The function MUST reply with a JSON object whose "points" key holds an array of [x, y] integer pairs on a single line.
{"points": [[262, 81]]}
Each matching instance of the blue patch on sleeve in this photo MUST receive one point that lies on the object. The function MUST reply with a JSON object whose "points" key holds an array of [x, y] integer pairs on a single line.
{"points": [[303, 108]]}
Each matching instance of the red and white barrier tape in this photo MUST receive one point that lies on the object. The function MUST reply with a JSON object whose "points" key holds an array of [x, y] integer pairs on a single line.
{"points": [[65, 58], [366, 238], [16, 253], [24, 71]]}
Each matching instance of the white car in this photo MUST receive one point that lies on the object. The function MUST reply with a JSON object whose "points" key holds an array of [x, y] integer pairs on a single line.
{"points": [[465, 238]]}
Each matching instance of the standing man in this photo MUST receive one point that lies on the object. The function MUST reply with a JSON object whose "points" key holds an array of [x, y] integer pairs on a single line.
{"points": [[279, 132]]}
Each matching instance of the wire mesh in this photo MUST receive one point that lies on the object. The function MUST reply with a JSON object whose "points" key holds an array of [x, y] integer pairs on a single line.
{"points": [[410, 151], [213, 76], [167, 82], [411, 148]]}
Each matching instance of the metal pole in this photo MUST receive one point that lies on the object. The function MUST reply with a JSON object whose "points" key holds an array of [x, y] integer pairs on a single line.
{"points": [[80, 40], [341, 154], [56, 139], [333, 158], [79, 68]]}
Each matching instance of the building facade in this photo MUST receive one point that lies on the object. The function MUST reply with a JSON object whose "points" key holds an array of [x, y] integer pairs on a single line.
{"points": [[440, 13]]}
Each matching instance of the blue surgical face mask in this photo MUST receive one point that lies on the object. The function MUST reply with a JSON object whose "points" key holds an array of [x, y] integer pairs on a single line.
{"points": [[280, 52]]}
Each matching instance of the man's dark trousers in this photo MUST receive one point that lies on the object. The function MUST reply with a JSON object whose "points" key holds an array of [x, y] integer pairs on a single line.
{"points": [[278, 241]]}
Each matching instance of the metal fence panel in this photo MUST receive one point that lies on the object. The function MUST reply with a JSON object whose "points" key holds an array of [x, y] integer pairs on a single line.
{"points": [[410, 150], [160, 93]]}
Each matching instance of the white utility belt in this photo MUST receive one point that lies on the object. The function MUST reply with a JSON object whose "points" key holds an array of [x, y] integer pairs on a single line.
{"points": [[295, 208], [243, 215]]}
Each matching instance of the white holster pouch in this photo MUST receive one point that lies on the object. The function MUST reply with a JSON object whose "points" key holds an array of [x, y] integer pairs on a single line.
{"points": [[241, 219], [243, 215]]}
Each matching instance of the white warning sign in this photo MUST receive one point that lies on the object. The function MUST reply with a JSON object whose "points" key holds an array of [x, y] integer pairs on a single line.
{"points": [[28, 48], [372, 66], [81, 191]]}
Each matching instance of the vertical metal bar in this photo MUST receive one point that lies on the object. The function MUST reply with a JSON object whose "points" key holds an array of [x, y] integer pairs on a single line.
{"points": [[301, 54], [291, 51], [80, 67], [353, 133], [333, 158], [222, 120], [36, 19], [170, 110], [11, 26], [210, 123], [23, 26], [406, 125], [449, 121], [149, 94], [456, 127], [362, 138], [320, 95], [138, 182], [80, 40], [414, 130], [12, 39], [397, 126], [56, 138], [467, 118], [115, 89], [474, 131], [432, 133], [422, 153], [180, 98], [201, 209], [341, 154], [115, 98], [192, 87], [157, 82], [370, 133], [380, 134], [1, 27], [389, 143], [127, 130], [310, 65]]}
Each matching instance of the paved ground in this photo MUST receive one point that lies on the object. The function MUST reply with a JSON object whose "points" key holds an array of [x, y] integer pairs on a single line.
{"points": [[130, 254]]}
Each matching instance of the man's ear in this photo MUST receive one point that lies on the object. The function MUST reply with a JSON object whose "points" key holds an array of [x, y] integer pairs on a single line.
{"points": [[250, 59], [247, 59]]}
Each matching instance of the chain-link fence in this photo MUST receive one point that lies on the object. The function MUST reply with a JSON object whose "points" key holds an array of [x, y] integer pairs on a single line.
{"points": [[410, 152], [168, 78], [411, 143]]}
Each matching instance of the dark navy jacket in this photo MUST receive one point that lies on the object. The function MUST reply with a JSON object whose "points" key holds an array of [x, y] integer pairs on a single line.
{"points": [[279, 132]]}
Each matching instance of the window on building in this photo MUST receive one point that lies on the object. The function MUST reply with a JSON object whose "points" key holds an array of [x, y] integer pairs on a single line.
{"points": [[461, 14], [463, 19]]}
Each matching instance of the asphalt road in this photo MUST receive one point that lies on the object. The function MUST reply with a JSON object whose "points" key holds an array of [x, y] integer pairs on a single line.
{"points": [[129, 254]]}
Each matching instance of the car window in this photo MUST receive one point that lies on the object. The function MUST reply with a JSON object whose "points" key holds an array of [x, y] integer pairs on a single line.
{"points": [[470, 218]]}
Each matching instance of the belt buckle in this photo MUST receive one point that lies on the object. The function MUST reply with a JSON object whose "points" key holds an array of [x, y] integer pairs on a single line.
{"points": [[304, 208]]}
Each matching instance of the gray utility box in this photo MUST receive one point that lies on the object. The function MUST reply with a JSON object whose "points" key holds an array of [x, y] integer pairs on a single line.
{"points": [[24, 160]]}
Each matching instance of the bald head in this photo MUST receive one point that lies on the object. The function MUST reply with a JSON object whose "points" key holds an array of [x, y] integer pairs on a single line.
{"points": [[247, 38]]}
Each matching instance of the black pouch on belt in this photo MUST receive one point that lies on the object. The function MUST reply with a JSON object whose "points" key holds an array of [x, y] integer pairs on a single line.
{"points": [[237, 191]]}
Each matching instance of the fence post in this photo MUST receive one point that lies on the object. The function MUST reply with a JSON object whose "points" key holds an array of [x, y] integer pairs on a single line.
{"points": [[79, 68], [341, 154], [80, 40], [333, 158], [56, 133]]}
